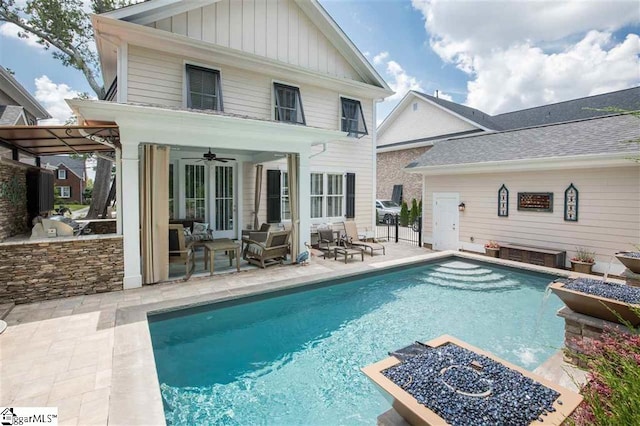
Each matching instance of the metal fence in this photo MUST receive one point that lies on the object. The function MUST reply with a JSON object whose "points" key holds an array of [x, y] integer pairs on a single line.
{"points": [[392, 231]]}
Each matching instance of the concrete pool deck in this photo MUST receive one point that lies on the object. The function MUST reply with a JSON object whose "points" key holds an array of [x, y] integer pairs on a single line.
{"points": [[91, 356]]}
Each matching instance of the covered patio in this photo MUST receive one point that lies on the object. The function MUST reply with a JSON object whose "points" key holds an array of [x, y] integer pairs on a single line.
{"points": [[161, 175]]}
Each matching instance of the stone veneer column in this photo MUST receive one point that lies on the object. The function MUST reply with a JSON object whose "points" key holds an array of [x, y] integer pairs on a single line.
{"points": [[129, 207]]}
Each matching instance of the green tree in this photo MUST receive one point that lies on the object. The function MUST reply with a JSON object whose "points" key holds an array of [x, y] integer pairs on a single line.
{"points": [[404, 214], [64, 27]]}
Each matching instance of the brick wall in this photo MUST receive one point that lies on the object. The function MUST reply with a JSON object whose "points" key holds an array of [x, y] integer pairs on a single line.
{"points": [[74, 183], [13, 199], [390, 172], [43, 270]]}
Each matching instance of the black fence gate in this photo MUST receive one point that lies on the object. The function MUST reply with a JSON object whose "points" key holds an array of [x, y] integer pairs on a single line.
{"points": [[393, 232]]}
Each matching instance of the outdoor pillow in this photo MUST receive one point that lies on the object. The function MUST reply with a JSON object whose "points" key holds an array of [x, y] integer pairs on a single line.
{"points": [[200, 228], [187, 232]]}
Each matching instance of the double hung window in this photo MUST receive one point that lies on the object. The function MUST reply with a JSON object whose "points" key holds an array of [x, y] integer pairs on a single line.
{"points": [[288, 104], [203, 88], [62, 174], [353, 118], [65, 192], [317, 195]]}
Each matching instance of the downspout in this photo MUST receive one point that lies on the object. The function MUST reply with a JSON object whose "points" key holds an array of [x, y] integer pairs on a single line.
{"points": [[374, 167]]}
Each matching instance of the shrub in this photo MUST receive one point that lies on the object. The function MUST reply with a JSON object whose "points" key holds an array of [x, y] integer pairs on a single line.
{"points": [[404, 214], [584, 255], [611, 396], [413, 213]]}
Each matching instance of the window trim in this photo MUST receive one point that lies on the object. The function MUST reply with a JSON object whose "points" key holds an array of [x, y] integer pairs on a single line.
{"points": [[356, 135], [186, 93], [275, 83], [68, 188], [65, 174]]}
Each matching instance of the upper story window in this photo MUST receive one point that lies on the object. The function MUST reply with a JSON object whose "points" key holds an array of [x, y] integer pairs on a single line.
{"points": [[203, 88], [62, 174], [353, 118], [288, 104]]}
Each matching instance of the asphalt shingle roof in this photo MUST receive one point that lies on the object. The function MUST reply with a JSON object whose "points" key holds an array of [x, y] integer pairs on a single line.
{"points": [[469, 113], [574, 109], [77, 166], [9, 114], [600, 135]]}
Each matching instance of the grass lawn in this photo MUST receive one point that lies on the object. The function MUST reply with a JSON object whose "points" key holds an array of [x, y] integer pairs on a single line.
{"points": [[72, 207]]}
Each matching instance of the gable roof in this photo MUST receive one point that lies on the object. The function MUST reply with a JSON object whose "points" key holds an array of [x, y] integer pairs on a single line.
{"points": [[74, 165], [149, 11], [473, 115], [10, 114], [11, 86], [593, 136], [574, 109]]}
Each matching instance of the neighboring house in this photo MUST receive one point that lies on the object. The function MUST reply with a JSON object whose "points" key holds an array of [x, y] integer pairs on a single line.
{"points": [[17, 108], [561, 186], [419, 120], [276, 87], [69, 177]]}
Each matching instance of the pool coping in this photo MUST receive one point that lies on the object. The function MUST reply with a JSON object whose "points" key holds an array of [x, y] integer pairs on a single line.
{"points": [[135, 396]]}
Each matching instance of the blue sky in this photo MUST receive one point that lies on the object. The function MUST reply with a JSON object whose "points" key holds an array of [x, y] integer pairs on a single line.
{"points": [[494, 56]]}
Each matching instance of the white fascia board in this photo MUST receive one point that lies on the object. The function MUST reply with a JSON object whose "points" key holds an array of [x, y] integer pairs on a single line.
{"points": [[395, 111], [161, 125], [150, 11], [473, 123], [18, 93], [384, 148], [151, 38], [339, 39], [552, 163]]}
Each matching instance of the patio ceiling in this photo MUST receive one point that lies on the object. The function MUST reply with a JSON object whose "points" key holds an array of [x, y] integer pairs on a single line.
{"points": [[52, 140]]}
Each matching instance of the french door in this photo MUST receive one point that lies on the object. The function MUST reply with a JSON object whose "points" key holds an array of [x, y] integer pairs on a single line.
{"points": [[223, 201]]}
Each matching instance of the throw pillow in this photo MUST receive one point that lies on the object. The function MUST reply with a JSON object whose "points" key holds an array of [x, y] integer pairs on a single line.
{"points": [[187, 232], [200, 228]]}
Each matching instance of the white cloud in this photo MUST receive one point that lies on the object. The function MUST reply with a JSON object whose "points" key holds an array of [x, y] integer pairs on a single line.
{"points": [[52, 96], [401, 82], [11, 30], [442, 95], [380, 58], [523, 54]]}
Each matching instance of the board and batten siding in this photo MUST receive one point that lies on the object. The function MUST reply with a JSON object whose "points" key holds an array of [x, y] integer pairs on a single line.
{"points": [[608, 220], [275, 29], [426, 121]]}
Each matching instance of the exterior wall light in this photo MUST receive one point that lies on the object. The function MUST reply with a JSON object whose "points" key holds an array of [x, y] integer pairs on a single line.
{"points": [[461, 207]]}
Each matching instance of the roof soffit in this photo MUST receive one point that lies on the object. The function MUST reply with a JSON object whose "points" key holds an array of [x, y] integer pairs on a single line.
{"points": [[18, 93], [146, 12]]}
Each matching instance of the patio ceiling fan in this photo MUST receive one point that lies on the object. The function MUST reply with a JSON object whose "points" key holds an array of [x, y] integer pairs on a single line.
{"points": [[210, 156]]}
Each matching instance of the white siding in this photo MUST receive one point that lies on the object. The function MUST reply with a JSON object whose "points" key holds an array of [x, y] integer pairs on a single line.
{"points": [[158, 78], [609, 210], [427, 121], [276, 29]]}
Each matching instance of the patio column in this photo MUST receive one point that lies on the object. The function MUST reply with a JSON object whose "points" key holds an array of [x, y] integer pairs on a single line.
{"points": [[129, 208], [118, 190], [304, 200]]}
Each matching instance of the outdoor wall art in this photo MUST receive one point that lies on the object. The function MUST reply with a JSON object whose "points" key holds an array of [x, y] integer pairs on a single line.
{"points": [[535, 201], [503, 201], [571, 204]]}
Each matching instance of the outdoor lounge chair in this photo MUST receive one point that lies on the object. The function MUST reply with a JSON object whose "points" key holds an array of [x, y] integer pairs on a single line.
{"points": [[273, 250], [327, 242], [179, 250], [351, 231]]}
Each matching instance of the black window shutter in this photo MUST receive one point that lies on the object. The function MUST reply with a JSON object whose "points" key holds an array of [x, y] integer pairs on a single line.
{"points": [[273, 196], [351, 195]]}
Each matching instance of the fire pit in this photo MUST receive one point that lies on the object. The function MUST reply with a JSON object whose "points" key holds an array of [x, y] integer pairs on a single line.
{"points": [[449, 381], [599, 299]]}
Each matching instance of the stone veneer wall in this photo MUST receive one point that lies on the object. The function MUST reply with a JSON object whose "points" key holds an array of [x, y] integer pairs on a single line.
{"points": [[389, 170], [13, 199], [580, 331], [32, 271]]}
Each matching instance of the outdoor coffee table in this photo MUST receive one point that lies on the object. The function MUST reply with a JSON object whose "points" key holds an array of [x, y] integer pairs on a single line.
{"points": [[345, 251], [221, 244]]}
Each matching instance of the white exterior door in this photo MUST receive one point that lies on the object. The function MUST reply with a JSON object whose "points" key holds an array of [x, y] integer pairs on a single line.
{"points": [[223, 208], [446, 235]]}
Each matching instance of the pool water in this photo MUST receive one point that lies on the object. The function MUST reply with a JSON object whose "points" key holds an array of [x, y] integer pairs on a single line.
{"points": [[296, 358]]}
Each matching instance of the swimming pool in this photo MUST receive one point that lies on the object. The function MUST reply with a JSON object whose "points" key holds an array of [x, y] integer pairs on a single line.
{"points": [[296, 358]]}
